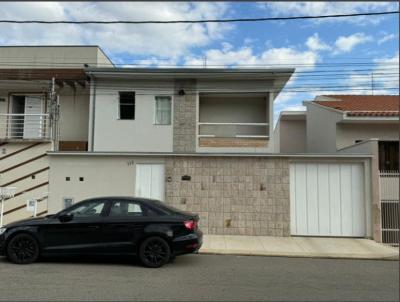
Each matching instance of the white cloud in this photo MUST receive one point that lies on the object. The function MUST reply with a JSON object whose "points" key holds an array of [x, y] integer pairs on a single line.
{"points": [[316, 44], [345, 44], [245, 56], [330, 8], [150, 39], [387, 38]]}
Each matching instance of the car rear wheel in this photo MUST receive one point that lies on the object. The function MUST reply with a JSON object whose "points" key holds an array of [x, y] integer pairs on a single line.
{"points": [[22, 249], [154, 252]]}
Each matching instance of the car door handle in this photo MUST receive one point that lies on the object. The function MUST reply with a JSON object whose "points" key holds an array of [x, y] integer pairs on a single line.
{"points": [[93, 227]]}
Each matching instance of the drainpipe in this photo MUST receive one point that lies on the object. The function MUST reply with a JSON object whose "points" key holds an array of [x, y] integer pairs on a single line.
{"points": [[92, 112]]}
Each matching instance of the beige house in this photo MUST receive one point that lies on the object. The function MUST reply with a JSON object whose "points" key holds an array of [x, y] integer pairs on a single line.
{"points": [[44, 106]]}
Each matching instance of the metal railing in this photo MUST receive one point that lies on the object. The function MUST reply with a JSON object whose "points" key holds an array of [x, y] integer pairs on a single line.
{"points": [[233, 130], [389, 196], [24, 126]]}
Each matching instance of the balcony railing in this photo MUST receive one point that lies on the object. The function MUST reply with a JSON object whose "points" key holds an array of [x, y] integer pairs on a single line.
{"points": [[24, 126], [233, 130]]}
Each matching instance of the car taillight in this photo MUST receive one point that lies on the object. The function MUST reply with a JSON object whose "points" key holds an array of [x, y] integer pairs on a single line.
{"points": [[190, 224]]}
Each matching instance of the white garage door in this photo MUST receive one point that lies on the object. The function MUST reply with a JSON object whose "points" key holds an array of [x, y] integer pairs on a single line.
{"points": [[327, 199], [150, 181]]}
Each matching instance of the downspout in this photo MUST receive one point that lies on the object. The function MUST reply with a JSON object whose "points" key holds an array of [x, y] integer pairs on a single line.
{"points": [[92, 113]]}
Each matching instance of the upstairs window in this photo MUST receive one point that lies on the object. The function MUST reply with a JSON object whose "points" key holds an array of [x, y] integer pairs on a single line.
{"points": [[127, 105], [163, 110]]}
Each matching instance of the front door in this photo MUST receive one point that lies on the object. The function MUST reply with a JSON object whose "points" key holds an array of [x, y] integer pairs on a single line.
{"points": [[150, 180], [82, 234], [33, 122]]}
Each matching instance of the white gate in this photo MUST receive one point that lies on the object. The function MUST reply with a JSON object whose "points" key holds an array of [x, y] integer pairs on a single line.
{"points": [[150, 181], [327, 199], [389, 196]]}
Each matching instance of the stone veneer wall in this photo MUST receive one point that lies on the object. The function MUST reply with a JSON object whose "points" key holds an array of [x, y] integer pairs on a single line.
{"points": [[251, 192], [184, 118]]}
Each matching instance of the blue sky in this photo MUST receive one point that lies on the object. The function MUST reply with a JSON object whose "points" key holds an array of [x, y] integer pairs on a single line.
{"points": [[313, 46]]}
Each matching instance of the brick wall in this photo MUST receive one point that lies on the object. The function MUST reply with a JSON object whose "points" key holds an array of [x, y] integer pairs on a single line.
{"points": [[251, 194], [184, 123]]}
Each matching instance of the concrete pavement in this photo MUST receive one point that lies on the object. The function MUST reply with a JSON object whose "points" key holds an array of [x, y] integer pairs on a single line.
{"points": [[319, 247]]}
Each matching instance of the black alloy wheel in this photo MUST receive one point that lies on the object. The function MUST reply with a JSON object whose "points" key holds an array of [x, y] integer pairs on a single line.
{"points": [[23, 249], [154, 252]]}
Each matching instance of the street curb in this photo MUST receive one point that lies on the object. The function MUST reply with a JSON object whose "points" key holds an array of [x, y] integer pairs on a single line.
{"points": [[394, 257]]}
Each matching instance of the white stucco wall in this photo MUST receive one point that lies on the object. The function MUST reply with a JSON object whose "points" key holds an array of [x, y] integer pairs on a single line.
{"points": [[348, 133], [99, 177], [292, 136], [321, 129], [140, 134], [74, 114]]}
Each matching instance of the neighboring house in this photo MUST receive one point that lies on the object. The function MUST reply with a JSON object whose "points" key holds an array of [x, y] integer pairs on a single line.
{"points": [[44, 106], [334, 122]]}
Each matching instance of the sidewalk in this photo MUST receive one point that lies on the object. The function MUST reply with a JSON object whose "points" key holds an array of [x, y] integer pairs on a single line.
{"points": [[298, 247]]}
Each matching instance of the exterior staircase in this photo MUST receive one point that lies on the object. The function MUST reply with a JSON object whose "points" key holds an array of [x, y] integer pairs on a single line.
{"points": [[25, 166]]}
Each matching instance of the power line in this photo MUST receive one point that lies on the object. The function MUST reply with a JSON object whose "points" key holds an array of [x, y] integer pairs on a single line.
{"points": [[199, 21]]}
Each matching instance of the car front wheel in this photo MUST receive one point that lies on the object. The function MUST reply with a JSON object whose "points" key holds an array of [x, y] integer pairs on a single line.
{"points": [[154, 252], [22, 249]]}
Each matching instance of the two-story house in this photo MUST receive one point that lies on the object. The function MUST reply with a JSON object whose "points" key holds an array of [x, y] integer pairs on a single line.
{"points": [[44, 106], [198, 139]]}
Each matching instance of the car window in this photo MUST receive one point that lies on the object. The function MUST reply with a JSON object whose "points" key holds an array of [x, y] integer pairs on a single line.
{"points": [[125, 209], [91, 208]]}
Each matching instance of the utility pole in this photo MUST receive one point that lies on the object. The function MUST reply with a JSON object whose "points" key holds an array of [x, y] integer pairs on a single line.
{"points": [[372, 83], [205, 62], [54, 114]]}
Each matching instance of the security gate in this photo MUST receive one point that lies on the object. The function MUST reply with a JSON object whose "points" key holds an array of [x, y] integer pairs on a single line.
{"points": [[150, 181], [389, 196]]}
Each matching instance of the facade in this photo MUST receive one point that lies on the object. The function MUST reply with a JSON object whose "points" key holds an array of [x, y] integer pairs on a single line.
{"points": [[44, 106], [198, 139]]}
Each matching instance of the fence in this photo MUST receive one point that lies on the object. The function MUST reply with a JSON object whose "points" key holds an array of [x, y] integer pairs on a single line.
{"points": [[389, 196]]}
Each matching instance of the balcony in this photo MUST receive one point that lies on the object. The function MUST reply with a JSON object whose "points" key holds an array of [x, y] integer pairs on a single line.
{"points": [[21, 126], [233, 120]]}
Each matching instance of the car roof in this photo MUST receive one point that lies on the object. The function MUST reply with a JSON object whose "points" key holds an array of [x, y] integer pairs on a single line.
{"points": [[140, 199]]}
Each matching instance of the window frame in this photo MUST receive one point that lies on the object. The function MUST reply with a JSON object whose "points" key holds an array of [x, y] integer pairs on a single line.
{"points": [[119, 105], [155, 110]]}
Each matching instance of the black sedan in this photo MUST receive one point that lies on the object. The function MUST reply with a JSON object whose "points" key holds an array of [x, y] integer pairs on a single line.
{"points": [[149, 229]]}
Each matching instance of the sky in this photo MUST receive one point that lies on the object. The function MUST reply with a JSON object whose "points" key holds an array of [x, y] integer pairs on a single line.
{"points": [[356, 55]]}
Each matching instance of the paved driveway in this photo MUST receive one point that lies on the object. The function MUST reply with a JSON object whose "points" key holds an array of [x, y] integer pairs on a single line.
{"points": [[203, 277]]}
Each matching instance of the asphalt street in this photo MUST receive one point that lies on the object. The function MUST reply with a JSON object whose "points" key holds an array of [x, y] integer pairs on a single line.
{"points": [[202, 277]]}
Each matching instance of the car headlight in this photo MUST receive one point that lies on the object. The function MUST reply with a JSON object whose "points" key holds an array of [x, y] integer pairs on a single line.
{"points": [[2, 230]]}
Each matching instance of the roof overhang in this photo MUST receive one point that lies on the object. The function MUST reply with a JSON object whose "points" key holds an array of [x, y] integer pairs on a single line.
{"points": [[292, 115], [279, 77]]}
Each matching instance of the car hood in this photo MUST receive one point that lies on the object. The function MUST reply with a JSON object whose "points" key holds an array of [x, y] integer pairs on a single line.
{"points": [[28, 221]]}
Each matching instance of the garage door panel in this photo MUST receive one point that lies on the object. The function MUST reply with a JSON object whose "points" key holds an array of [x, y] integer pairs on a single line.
{"points": [[323, 200], [312, 199], [358, 197], [293, 215], [301, 193], [327, 199], [335, 202], [346, 200]]}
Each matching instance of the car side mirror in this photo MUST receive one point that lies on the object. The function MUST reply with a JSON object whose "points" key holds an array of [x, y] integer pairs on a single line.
{"points": [[65, 217]]}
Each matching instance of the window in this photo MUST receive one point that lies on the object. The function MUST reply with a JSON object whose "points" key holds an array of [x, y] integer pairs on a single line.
{"points": [[127, 105], [163, 110], [126, 208], [88, 209]]}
